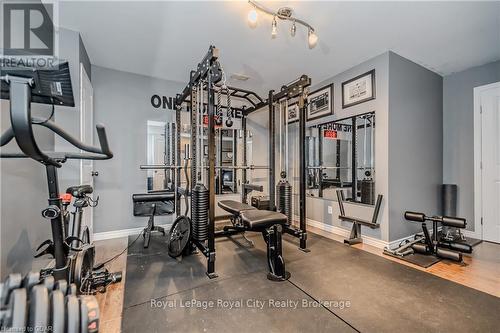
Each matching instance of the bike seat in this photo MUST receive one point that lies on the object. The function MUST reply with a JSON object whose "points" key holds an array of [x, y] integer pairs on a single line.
{"points": [[79, 191]]}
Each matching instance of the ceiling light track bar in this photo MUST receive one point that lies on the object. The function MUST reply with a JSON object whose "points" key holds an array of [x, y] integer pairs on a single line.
{"points": [[280, 16]]}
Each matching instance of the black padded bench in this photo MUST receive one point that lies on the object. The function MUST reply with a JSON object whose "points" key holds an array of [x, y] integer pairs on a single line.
{"points": [[153, 204], [355, 235], [269, 223]]}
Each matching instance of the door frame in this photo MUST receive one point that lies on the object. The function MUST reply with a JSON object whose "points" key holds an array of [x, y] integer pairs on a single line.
{"points": [[478, 186]]}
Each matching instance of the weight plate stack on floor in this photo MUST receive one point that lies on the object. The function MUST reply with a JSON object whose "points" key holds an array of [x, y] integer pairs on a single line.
{"points": [[199, 212], [32, 305]]}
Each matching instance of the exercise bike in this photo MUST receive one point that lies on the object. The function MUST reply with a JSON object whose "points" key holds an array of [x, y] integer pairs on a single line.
{"points": [[24, 85]]}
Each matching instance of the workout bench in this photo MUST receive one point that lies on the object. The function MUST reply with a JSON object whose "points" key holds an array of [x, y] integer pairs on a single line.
{"points": [[153, 204], [269, 223], [355, 235]]}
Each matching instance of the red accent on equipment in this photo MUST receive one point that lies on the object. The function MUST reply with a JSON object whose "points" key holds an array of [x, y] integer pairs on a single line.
{"points": [[66, 197], [330, 134]]}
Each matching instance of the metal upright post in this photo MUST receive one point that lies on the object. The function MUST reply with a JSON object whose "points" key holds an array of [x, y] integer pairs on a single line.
{"points": [[320, 158], [244, 170], [194, 136], [354, 176], [211, 179], [178, 158], [302, 170], [272, 152], [235, 159]]}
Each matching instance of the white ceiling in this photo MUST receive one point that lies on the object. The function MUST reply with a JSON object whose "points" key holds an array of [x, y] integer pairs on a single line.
{"points": [[167, 39]]}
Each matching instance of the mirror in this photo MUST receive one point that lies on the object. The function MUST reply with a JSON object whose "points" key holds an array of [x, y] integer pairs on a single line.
{"points": [[229, 154], [332, 163]]}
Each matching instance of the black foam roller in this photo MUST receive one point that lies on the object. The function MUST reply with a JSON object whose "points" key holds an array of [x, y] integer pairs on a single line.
{"points": [[449, 194]]}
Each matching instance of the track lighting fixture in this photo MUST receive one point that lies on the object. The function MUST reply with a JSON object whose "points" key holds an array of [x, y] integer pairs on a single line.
{"points": [[283, 13]]}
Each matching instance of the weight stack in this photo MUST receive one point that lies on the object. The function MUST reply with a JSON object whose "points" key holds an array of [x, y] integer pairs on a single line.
{"points": [[368, 191], [199, 212], [284, 191]]}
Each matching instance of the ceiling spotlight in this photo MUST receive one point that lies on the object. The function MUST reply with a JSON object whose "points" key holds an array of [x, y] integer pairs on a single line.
{"points": [[312, 39], [274, 29], [293, 29], [252, 18]]}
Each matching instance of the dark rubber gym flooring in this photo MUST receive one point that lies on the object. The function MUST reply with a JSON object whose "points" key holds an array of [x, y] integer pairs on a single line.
{"points": [[360, 292]]}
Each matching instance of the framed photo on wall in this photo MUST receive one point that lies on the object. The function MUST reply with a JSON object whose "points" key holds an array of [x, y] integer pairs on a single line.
{"points": [[320, 103], [359, 89], [293, 113]]}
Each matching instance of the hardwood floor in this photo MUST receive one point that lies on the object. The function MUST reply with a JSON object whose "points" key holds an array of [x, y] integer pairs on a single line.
{"points": [[480, 271], [111, 302]]}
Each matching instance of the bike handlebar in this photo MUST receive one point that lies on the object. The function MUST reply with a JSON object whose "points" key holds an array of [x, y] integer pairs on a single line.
{"points": [[103, 152]]}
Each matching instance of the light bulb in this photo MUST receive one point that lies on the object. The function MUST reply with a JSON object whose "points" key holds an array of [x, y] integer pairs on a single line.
{"points": [[252, 18], [274, 30], [293, 29], [312, 39]]}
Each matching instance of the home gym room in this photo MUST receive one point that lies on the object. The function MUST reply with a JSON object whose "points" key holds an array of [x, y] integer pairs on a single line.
{"points": [[252, 166]]}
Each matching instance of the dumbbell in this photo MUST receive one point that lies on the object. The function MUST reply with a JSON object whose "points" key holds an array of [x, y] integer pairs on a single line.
{"points": [[39, 309], [89, 314], [14, 312], [72, 314], [12, 282], [30, 280], [57, 308]]}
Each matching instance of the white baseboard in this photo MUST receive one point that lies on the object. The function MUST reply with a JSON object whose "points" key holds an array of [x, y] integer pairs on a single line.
{"points": [[345, 233], [472, 234], [123, 232]]}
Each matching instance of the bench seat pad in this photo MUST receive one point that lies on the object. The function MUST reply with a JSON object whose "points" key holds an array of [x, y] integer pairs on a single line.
{"points": [[234, 207], [146, 197], [262, 219]]}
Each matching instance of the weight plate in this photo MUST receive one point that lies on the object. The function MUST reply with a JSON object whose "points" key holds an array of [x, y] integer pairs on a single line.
{"points": [[18, 310], [72, 314], [178, 236], [38, 317], [84, 263], [89, 314], [57, 306]]}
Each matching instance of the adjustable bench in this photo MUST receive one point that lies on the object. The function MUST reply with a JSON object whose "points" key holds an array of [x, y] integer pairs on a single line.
{"points": [[355, 235], [153, 204], [269, 223]]}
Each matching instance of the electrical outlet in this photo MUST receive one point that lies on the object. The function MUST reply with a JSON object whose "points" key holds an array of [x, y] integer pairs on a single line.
{"points": [[330, 210]]}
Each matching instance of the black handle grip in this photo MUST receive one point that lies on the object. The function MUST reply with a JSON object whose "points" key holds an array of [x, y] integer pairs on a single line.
{"points": [[414, 216]]}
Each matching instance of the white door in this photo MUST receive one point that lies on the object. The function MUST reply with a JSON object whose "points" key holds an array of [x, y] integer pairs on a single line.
{"points": [[87, 136], [490, 169]]}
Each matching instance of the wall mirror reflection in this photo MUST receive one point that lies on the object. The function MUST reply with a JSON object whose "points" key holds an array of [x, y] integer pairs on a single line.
{"points": [[340, 155]]}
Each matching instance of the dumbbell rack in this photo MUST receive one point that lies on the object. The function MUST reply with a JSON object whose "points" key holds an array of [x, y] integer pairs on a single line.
{"points": [[32, 304]]}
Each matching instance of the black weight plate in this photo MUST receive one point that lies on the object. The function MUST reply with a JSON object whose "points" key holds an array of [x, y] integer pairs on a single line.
{"points": [[38, 317], [84, 263], [72, 314], [178, 236], [57, 307], [89, 314]]}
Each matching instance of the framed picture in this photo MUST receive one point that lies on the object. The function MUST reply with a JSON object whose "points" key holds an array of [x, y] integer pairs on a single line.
{"points": [[293, 113], [320, 103], [359, 89]]}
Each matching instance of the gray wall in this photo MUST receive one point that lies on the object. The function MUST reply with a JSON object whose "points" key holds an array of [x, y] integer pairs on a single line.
{"points": [[415, 143], [122, 104], [23, 196], [84, 57], [458, 133]]}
